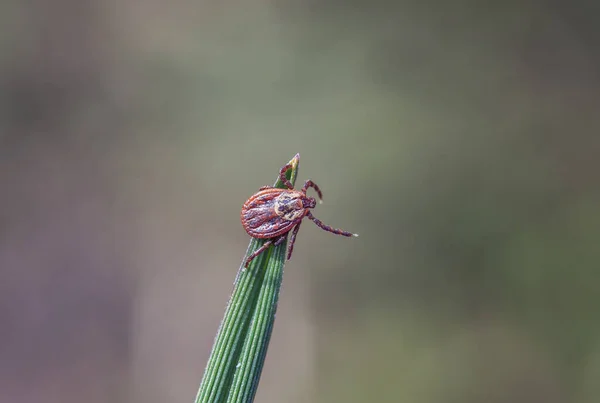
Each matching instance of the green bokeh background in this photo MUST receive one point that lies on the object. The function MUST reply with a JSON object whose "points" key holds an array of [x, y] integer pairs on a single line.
{"points": [[460, 139]]}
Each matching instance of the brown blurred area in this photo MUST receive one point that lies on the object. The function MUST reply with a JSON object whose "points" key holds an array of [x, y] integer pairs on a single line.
{"points": [[460, 139]]}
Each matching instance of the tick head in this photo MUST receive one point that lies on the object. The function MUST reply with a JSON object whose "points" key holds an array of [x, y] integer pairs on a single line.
{"points": [[309, 202]]}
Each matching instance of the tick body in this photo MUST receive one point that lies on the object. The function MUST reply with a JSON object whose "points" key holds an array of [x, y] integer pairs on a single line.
{"points": [[272, 212]]}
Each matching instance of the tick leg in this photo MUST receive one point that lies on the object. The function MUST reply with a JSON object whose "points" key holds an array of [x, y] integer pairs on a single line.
{"points": [[258, 252], [274, 241], [311, 184], [327, 227], [264, 187], [285, 180], [292, 241], [279, 240]]}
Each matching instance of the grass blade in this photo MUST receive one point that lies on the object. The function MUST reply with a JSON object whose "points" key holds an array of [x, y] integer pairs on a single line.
{"points": [[237, 358]]}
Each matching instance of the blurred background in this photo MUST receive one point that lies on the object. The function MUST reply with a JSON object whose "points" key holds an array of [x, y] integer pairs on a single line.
{"points": [[460, 139]]}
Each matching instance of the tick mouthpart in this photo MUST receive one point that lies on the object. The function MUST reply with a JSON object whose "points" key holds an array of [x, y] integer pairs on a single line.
{"points": [[309, 202]]}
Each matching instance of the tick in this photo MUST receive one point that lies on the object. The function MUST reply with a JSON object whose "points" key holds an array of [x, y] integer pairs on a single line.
{"points": [[272, 212]]}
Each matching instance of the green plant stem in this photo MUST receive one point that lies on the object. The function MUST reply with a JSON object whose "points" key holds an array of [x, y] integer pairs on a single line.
{"points": [[237, 358]]}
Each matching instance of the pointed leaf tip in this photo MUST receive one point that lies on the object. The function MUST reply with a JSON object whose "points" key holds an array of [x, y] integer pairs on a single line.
{"points": [[295, 161]]}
